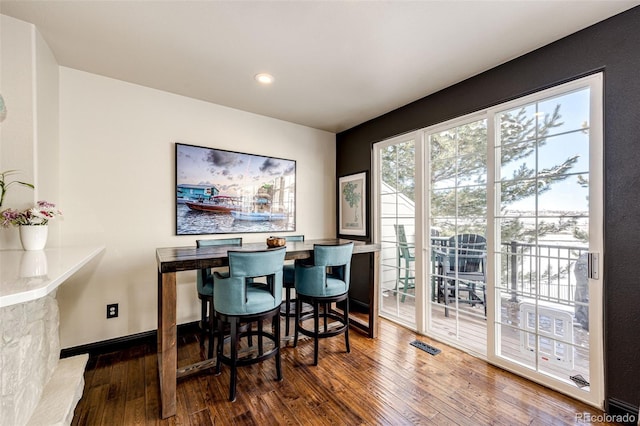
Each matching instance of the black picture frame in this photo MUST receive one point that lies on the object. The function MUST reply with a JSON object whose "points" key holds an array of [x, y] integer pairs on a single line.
{"points": [[228, 192], [352, 204]]}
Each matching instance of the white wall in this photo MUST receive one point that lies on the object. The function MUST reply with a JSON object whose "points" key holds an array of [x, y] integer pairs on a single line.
{"points": [[47, 147], [29, 134], [117, 188]]}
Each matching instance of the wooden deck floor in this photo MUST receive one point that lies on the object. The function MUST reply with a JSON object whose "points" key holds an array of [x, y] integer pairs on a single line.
{"points": [[383, 381], [467, 328]]}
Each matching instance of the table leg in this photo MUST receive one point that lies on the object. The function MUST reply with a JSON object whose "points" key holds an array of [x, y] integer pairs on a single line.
{"points": [[371, 326], [167, 337], [374, 323]]}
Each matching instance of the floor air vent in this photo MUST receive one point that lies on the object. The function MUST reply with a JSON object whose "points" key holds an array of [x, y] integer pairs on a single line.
{"points": [[579, 381], [427, 348]]}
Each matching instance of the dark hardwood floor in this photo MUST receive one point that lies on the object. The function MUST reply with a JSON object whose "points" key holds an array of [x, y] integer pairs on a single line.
{"points": [[382, 381]]}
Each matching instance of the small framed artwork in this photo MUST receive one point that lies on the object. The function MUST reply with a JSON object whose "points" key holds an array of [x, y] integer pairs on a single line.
{"points": [[352, 214]]}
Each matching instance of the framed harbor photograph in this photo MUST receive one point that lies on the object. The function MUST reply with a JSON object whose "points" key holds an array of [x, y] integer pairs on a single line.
{"points": [[352, 191], [226, 192]]}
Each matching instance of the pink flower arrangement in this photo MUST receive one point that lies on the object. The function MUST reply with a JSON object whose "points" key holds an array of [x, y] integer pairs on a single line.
{"points": [[40, 214]]}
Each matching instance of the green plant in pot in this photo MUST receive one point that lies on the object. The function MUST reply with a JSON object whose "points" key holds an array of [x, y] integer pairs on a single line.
{"points": [[5, 183]]}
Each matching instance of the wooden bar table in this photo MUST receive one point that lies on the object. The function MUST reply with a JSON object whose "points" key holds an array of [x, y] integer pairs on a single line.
{"points": [[176, 259]]}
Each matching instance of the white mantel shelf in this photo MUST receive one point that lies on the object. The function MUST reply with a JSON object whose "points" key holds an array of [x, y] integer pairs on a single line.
{"points": [[30, 275]]}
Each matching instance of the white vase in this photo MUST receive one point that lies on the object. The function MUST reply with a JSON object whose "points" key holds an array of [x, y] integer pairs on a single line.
{"points": [[33, 237]]}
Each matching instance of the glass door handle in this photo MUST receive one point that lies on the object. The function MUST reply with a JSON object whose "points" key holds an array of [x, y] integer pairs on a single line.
{"points": [[593, 266]]}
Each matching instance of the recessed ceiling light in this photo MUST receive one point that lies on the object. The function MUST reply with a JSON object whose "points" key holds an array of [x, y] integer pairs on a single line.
{"points": [[264, 78]]}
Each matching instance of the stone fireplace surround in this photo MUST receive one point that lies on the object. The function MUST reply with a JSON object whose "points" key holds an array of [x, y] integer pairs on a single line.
{"points": [[36, 387]]}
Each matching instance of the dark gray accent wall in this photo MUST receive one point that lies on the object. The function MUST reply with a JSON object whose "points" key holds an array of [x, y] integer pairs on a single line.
{"points": [[611, 46]]}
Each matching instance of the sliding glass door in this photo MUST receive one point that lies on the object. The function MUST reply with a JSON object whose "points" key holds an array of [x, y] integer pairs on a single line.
{"points": [[547, 234], [456, 167], [491, 227], [396, 213]]}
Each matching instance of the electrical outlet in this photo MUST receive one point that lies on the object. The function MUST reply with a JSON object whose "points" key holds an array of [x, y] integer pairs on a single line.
{"points": [[112, 310]]}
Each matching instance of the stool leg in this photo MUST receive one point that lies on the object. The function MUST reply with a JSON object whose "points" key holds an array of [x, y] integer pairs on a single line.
{"points": [[297, 322], [277, 343], [203, 319], [325, 311], [220, 347], [316, 327], [287, 310], [212, 328], [260, 347], [212, 336], [234, 359], [346, 321]]}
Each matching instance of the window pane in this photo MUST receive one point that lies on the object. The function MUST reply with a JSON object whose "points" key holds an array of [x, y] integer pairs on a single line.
{"points": [[517, 197], [472, 170], [517, 125], [568, 153], [568, 196], [472, 202], [443, 203], [518, 160], [567, 112], [472, 139]]}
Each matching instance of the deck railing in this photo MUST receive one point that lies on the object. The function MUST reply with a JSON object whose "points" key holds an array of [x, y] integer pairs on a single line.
{"points": [[549, 272], [553, 273]]}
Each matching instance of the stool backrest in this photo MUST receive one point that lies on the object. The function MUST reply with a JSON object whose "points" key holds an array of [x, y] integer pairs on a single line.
{"points": [[204, 275], [233, 294], [336, 258], [252, 264]]}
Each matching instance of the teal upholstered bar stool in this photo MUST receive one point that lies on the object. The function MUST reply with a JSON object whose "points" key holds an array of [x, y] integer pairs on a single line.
{"points": [[239, 301], [288, 281], [320, 284], [204, 284]]}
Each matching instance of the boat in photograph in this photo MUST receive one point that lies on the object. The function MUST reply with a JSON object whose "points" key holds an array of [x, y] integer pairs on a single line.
{"points": [[218, 204], [258, 216], [261, 208]]}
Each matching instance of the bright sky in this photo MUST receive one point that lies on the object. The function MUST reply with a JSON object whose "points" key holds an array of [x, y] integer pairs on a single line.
{"points": [[570, 140], [231, 172]]}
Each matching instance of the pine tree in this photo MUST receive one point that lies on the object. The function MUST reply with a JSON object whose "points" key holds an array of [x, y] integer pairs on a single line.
{"points": [[458, 170]]}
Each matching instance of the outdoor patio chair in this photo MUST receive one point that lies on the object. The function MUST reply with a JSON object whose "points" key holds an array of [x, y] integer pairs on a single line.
{"points": [[406, 255], [463, 273]]}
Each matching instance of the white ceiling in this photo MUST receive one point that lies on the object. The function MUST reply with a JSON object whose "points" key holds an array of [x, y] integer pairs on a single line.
{"points": [[336, 63]]}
